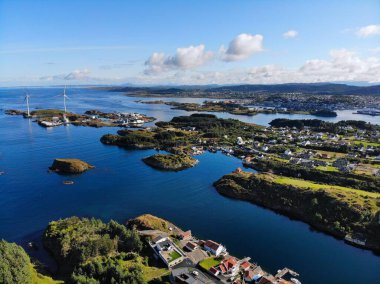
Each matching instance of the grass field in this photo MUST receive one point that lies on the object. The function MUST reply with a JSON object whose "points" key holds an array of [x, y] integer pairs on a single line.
{"points": [[308, 184], [327, 168], [209, 262], [366, 144]]}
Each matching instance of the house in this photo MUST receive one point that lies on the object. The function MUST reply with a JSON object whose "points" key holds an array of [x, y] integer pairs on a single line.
{"points": [[238, 170], [288, 153], [325, 156], [214, 247], [249, 276], [245, 265], [267, 280], [191, 246], [166, 250], [256, 144], [265, 148], [185, 235], [214, 271], [188, 275], [229, 266], [340, 163], [240, 141]]}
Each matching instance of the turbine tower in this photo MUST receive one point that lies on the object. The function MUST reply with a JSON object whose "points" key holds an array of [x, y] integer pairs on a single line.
{"points": [[27, 103], [64, 99]]}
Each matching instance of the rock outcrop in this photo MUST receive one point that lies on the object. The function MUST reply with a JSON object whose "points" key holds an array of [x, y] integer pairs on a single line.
{"points": [[70, 166]]}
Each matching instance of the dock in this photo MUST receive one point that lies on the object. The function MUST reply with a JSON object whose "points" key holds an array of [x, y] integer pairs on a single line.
{"points": [[281, 273]]}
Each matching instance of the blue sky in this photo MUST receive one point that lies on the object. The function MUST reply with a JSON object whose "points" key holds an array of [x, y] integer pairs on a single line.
{"points": [[180, 42]]}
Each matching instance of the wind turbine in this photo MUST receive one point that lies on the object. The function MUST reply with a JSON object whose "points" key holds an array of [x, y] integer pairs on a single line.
{"points": [[64, 99], [27, 103]]}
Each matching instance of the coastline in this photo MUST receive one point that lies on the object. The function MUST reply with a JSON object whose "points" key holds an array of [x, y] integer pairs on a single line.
{"points": [[226, 187]]}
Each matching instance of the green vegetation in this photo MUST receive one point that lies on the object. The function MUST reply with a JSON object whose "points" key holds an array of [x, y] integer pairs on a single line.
{"points": [[327, 168], [48, 112], [312, 185], [207, 263], [320, 125], [172, 137], [70, 166], [76, 241], [16, 267], [146, 139], [322, 205], [149, 222], [175, 162], [109, 270], [328, 175], [174, 255], [38, 278]]}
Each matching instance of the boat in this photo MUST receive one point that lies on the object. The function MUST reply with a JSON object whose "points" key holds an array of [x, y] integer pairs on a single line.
{"points": [[45, 123], [295, 281], [33, 245], [136, 121], [68, 182]]}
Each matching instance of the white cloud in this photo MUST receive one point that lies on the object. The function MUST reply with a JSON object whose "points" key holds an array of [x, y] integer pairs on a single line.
{"points": [[342, 65], [76, 75], [184, 58], [242, 47], [367, 31], [290, 34]]}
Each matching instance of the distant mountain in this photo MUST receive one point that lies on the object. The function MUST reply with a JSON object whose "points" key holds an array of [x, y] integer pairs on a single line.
{"points": [[314, 88], [305, 88]]}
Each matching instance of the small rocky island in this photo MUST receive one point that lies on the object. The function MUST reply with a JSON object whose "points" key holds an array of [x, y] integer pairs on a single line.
{"points": [[170, 162], [70, 166]]}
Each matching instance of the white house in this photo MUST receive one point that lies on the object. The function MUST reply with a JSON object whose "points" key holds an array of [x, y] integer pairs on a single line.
{"points": [[214, 247]]}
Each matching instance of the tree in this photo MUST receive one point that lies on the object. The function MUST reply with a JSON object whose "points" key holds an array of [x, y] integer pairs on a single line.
{"points": [[15, 265]]}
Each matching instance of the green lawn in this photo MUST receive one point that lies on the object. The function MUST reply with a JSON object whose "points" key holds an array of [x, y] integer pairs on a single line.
{"points": [[209, 262], [365, 143], [308, 184], [174, 255], [150, 272], [327, 168]]}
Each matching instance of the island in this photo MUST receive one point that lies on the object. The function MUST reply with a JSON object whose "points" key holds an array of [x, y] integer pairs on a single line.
{"points": [[91, 118], [239, 107], [184, 134], [70, 166], [170, 162], [344, 212]]}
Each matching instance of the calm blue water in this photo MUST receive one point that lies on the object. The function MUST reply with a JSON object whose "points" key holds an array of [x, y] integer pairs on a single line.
{"points": [[122, 186]]}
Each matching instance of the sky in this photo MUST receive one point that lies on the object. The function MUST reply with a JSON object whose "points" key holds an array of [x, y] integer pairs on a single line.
{"points": [[162, 42]]}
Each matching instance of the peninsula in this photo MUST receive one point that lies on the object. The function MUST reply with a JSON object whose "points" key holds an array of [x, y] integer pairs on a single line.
{"points": [[148, 249], [341, 211]]}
